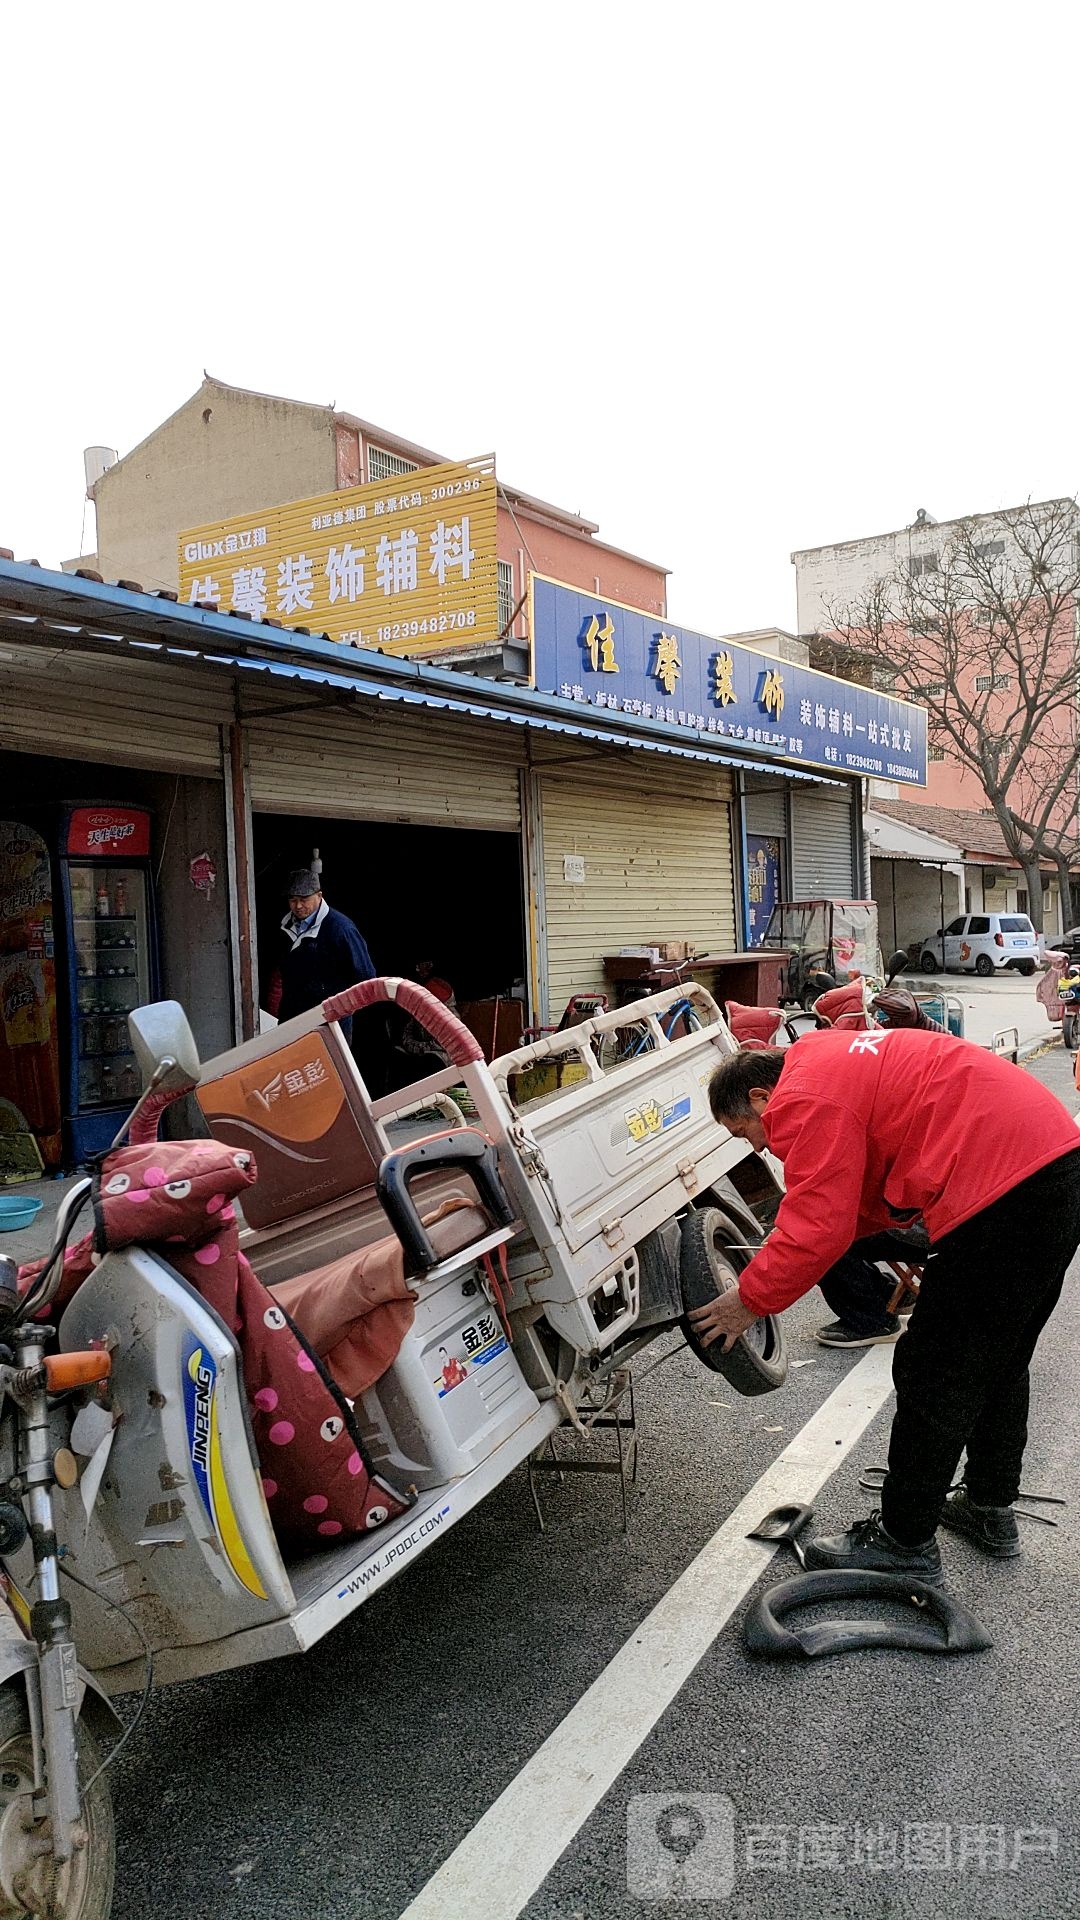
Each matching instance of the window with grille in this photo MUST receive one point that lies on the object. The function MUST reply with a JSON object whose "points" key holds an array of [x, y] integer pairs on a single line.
{"points": [[386, 466], [935, 753], [989, 682], [506, 594], [922, 563], [930, 693], [989, 549]]}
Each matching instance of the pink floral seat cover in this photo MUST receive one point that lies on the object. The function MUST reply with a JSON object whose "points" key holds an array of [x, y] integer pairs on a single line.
{"points": [[176, 1196]]}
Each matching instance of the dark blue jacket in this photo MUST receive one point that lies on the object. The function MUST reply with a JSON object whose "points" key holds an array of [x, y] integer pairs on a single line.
{"points": [[333, 955]]}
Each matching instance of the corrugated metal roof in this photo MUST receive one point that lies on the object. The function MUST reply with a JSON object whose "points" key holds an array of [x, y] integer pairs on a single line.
{"points": [[481, 710], [51, 608]]}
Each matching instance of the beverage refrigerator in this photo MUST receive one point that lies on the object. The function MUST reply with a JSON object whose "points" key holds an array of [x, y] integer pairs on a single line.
{"points": [[107, 901]]}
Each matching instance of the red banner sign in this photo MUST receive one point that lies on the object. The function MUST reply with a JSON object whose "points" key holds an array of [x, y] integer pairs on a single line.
{"points": [[109, 833]]}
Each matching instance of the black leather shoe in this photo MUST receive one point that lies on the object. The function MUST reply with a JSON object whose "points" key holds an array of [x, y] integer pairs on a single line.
{"points": [[994, 1529], [868, 1548]]}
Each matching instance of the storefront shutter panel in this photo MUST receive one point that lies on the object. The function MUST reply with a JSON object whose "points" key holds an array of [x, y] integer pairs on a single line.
{"points": [[388, 762], [766, 812], [821, 845], [656, 845], [114, 708]]}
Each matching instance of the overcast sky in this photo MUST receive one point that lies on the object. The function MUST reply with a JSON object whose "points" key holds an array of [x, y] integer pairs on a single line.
{"points": [[729, 280]]}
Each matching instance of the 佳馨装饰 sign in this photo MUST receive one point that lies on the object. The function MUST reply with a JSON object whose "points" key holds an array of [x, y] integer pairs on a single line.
{"points": [[624, 661], [407, 565]]}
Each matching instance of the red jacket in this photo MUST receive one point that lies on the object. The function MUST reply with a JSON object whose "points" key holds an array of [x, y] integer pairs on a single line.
{"points": [[876, 1128]]}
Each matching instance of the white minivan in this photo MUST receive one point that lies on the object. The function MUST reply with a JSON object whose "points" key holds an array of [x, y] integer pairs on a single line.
{"points": [[985, 942]]}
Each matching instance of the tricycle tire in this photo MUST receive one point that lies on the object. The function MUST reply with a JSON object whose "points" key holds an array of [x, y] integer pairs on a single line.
{"points": [[88, 1892], [1070, 1029], [713, 1245]]}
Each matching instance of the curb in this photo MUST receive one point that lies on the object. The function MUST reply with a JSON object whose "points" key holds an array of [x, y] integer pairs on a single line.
{"points": [[1032, 1049]]}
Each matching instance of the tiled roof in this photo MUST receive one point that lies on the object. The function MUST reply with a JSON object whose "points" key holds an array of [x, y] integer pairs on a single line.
{"points": [[978, 833]]}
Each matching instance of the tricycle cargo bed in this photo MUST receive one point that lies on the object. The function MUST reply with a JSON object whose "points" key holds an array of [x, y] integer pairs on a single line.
{"points": [[624, 1144]]}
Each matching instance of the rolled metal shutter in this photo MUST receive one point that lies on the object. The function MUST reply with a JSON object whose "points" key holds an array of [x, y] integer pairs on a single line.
{"points": [[387, 762], [114, 708], [765, 808], [656, 844], [821, 852]]}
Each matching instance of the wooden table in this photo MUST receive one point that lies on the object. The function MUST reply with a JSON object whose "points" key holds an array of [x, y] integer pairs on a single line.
{"points": [[754, 978]]}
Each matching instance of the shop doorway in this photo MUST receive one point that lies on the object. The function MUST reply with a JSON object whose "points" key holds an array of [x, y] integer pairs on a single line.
{"points": [[451, 895], [112, 891]]}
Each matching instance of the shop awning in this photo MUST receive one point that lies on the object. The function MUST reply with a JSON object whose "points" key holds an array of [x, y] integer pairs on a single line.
{"points": [[895, 840], [38, 607], [514, 716]]}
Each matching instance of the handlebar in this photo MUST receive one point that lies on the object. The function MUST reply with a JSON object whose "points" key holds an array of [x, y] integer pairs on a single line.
{"points": [[466, 1149], [436, 1019]]}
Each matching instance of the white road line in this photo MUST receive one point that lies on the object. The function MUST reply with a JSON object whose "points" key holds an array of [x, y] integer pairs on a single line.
{"points": [[494, 1872]]}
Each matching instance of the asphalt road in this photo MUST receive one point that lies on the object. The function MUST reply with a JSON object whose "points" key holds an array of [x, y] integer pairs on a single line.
{"points": [[877, 1785]]}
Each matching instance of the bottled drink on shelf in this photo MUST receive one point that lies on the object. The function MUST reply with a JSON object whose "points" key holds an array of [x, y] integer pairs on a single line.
{"points": [[103, 901], [119, 906]]}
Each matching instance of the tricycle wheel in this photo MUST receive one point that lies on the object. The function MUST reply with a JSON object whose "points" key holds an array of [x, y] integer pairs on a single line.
{"points": [[82, 1888], [1070, 1028], [714, 1249]]}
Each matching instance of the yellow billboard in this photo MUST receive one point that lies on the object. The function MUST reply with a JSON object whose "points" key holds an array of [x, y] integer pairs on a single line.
{"points": [[406, 564]]}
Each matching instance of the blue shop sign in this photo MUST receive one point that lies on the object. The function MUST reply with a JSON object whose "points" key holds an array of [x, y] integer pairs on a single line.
{"points": [[613, 657]]}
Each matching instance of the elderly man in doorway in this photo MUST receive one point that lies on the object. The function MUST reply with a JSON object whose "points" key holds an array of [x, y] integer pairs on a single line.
{"points": [[321, 952], [885, 1127]]}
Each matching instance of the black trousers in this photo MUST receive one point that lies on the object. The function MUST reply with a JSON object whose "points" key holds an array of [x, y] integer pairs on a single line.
{"points": [[855, 1289], [961, 1369]]}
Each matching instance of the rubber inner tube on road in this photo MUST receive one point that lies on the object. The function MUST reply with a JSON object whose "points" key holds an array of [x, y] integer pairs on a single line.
{"points": [[765, 1634]]}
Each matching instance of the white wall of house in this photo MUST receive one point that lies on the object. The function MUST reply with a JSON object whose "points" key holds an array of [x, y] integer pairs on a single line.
{"points": [[914, 892], [840, 575], [1008, 895]]}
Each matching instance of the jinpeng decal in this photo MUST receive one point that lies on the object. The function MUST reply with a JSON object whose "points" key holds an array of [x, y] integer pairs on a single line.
{"points": [[476, 1346], [650, 1119], [207, 1465]]}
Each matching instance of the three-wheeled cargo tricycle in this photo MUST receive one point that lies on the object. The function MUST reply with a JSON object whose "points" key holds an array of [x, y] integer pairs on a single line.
{"points": [[293, 1353]]}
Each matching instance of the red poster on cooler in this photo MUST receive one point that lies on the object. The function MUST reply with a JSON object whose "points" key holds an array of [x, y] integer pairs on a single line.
{"points": [[109, 833], [29, 1048]]}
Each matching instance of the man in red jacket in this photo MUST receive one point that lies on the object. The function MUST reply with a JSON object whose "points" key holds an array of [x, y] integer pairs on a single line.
{"points": [[883, 1128]]}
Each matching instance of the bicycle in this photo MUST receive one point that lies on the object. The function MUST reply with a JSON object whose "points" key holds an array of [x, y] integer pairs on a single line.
{"points": [[621, 1044]]}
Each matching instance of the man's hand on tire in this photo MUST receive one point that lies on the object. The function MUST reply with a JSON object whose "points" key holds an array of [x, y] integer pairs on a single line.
{"points": [[725, 1315]]}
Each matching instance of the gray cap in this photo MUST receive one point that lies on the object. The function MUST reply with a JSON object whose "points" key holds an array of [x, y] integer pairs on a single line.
{"points": [[303, 881]]}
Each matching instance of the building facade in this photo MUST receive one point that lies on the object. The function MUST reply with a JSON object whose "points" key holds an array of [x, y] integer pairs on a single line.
{"points": [[229, 451], [831, 580], [516, 836]]}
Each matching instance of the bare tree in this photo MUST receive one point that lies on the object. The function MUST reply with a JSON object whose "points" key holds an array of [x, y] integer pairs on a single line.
{"points": [[982, 632]]}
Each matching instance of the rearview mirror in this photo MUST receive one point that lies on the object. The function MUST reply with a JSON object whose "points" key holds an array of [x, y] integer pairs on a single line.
{"points": [[898, 961], [160, 1034]]}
